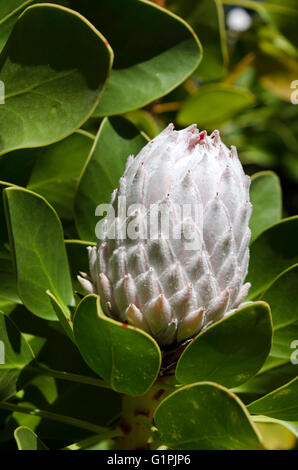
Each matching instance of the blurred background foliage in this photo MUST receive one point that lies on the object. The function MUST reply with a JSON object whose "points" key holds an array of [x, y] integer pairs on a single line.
{"points": [[243, 84]]}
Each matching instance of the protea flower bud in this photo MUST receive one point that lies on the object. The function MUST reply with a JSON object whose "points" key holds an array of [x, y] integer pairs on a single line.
{"points": [[175, 278]]}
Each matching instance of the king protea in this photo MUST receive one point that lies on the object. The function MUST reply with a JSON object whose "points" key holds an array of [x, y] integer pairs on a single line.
{"points": [[174, 279]]}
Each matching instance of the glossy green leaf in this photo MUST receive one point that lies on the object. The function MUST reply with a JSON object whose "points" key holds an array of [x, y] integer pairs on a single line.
{"points": [[57, 169], [231, 351], [281, 296], [155, 51], [117, 138], [281, 403], [271, 253], [124, 356], [48, 94], [213, 105], [205, 416], [40, 255], [265, 196], [27, 439], [15, 354]]}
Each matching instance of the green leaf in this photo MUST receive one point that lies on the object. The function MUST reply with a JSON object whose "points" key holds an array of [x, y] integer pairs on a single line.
{"points": [[275, 373], [290, 425], [124, 356], [281, 403], [54, 67], [205, 416], [56, 172], [3, 225], [27, 439], [17, 354], [231, 351], [9, 11], [144, 121], [207, 19], [213, 105], [40, 255], [8, 285], [6, 306], [281, 296], [116, 139], [266, 199], [271, 253], [155, 51], [63, 314]]}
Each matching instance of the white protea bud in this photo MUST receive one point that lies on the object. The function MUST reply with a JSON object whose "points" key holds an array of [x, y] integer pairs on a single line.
{"points": [[174, 277]]}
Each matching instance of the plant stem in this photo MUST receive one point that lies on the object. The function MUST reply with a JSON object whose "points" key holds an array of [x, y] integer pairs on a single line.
{"points": [[54, 417], [137, 417], [59, 374], [83, 379]]}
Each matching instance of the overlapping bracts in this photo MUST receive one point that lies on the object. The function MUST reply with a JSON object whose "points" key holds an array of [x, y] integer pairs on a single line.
{"points": [[174, 279]]}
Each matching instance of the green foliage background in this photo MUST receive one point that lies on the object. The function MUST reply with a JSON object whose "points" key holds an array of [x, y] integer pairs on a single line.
{"points": [[88, 82]]}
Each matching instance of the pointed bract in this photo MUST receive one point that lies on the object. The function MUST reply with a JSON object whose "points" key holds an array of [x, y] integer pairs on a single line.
{"points": [[175, 278]]}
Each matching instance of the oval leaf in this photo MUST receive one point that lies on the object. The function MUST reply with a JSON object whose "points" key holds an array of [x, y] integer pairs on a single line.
{"points": [[155, 51], [205, 416], [271, 253], [265, 196], [124, 356], [117, 138], [40, 255], [231, 351], [54, 67]]}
